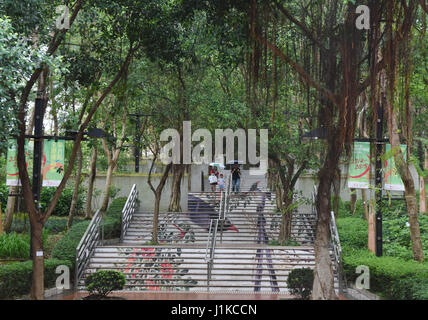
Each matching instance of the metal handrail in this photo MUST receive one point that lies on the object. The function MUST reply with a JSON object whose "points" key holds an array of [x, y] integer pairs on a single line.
{"points": [[337, 251], [87, 245], [226, 205], [128, 210], [212, 233]]}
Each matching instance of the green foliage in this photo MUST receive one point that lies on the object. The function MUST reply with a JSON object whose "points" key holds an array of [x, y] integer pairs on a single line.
{"points": [[65, 249], [63, 206], [16, 278], [345, 209], [300, 282], [103, 282], [54, 225], [4, 191], [353, 232], [14, 245], [17, 246], [392, 277], [396, 235], [112, 219]]}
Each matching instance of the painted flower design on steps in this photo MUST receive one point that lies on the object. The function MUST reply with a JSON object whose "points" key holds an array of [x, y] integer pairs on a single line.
{"points": [[154, 269]]}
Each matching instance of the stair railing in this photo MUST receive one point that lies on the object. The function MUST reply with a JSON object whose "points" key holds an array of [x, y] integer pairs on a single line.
{"points": [[128, 210], [87, 245], [225, 206], [337, 251]]}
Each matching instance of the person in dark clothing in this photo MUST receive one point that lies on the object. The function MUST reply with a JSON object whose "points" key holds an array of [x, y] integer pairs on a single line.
{"points": [[236, 177]]}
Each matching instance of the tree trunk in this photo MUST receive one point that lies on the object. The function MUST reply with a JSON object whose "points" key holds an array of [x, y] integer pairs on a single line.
{"points": [[287, 217], [10, 209], [37, 287], [11, 201], [336, 188], [155, 232], [323, 288], [109, 177], [353, 200], [158, 194], [423, 184], [76, 189], [365, 205], [409, 188], [92, 176], [1, 219], [175, 199]]}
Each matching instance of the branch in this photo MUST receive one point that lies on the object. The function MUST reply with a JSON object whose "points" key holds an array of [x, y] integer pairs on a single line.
{"points": [[79, 136], [303, 74], [424, 5], [302, 27]]}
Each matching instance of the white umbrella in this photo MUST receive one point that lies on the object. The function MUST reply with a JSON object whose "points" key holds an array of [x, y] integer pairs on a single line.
{"points": [[215, 164]]}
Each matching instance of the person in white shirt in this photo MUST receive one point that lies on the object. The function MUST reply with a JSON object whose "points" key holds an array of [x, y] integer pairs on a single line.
{"points": [[213, 181], [220, 182]]}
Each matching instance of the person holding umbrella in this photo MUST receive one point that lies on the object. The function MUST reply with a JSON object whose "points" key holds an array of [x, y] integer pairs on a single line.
{"points": [[236, 177]]}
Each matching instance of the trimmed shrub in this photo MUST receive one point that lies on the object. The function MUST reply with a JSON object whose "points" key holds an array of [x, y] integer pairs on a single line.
{"points": [[300, 282], [113, 219], [353, 232], [65, 249], [16, 278], [55, 225], [103, 282], [393, 277]]}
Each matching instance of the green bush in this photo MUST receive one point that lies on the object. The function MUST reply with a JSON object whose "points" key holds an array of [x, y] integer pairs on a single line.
{"points": [[16, 278], [63, 206], [65, 249], [17, 246], [103, 282], [353, 232], [4, 191], [396, 236], [113, 219], [53, 225], [300, 282], [392, 277]]}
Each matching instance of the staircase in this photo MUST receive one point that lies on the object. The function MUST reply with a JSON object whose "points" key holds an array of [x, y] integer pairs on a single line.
{"points": [[243, 260], [248, 212], [177, 268]]}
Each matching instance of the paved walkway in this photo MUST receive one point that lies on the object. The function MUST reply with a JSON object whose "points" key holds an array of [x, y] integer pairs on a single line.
{"points": [[186, 296]]}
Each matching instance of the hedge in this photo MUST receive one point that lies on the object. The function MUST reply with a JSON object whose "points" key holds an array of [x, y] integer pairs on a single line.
{"points": [[392, 277], [65, 249], [16, 278], [353, 232]]}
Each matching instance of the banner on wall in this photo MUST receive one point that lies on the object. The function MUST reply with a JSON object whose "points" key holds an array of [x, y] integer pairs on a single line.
{"points": [[52, 162], [392, 179], [359, 168]]}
